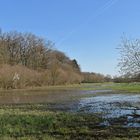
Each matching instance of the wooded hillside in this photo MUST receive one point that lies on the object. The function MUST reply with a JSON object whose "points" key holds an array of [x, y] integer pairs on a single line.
{"points": [[34, 61], [29, 60]]}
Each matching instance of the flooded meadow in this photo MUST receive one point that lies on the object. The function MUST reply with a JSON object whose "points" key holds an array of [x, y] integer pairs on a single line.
{"points": [[114, 108], [91, 111]]}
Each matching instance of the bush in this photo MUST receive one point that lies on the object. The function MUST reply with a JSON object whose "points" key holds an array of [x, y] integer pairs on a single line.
{"points": [[19, 76], [27, 77]]}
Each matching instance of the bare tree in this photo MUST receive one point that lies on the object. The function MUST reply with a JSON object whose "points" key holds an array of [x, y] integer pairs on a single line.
{"points": [[29, 51], [129, 61]]}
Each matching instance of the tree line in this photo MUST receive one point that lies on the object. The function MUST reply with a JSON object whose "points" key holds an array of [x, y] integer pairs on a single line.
{"points": [[35, 60], [29, 60]]}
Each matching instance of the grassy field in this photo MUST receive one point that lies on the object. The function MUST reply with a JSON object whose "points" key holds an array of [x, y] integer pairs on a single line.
{"points": [[125, 87], [32, 123], [36, 122], [129, 87]]}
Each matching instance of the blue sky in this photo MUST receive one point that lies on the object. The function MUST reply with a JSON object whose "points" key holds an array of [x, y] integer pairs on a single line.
{"points": [[88, 30]]}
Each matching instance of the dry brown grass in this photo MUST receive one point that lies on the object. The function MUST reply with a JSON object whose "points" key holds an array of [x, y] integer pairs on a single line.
{"points": [[29, 77]]}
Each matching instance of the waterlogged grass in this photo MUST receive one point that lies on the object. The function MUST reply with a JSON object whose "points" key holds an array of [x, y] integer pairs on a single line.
{"points": [[132, 87], [128, 87], [43, 125], [33, 123]]}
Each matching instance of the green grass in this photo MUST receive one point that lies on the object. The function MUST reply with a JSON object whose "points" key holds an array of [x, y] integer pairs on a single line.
{"points": [[34, 124], [128, 87]]}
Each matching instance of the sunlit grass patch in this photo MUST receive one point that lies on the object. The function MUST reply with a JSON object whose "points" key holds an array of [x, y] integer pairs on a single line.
{"points": [[34, 124]]}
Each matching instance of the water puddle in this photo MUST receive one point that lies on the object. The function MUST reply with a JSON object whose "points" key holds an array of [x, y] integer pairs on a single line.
{"points": [[124, 108], [115, 109]]}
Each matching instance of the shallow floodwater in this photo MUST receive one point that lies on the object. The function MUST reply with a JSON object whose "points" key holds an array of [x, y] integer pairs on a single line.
{"points": [[114, 106], [118, 109], [49, 96]]}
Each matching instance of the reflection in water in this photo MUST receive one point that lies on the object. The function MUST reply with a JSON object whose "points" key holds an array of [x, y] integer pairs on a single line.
{"points": [[109, 105], [16, 99], [114, 106]]}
